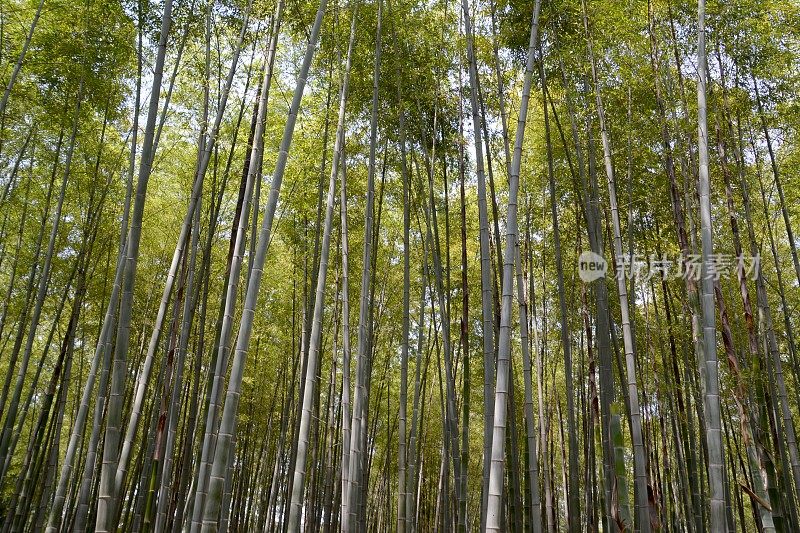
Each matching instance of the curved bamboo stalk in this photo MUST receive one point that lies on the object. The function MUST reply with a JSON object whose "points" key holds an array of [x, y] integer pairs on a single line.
{"points": [[495, 500]]}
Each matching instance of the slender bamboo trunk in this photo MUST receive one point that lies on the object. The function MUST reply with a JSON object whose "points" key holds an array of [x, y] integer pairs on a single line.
{"points": [[252, 172], [774, 352], [82, 410], [574, 498], [710, 367], [642, 505], [495, 501], [32, 277], [319, 302], [205, 156], [17, 68], [355, 492], [219, 469], [44, 279], [412, 503], [346, 414], [489, 352], [403, 500], [107, 494]]}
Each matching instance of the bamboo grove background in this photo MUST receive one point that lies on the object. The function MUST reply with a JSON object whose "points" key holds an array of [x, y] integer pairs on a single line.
{"points": [[274, 265]]}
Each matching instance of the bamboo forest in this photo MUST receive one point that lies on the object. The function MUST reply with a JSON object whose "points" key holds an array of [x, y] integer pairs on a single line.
{"points": [[399, 265]]}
